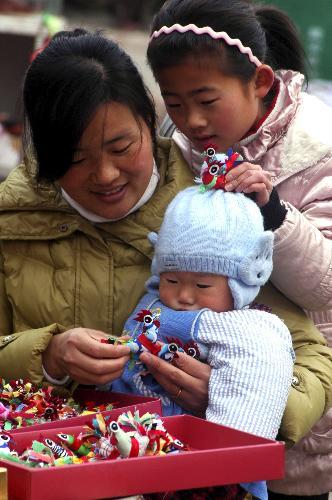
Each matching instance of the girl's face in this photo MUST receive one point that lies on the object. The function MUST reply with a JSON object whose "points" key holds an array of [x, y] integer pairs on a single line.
{"points": [[112, 164], [209, 106]]}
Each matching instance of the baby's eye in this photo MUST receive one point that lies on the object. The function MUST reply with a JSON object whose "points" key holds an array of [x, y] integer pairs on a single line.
{"points": [[201, 285], [211, 101], [171, 281]]}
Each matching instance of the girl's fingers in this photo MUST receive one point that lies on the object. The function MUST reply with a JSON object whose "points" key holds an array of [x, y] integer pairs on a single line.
{"points": [[247, 179], [253, 180], [243, 168], [256, 188], [247, 173]]}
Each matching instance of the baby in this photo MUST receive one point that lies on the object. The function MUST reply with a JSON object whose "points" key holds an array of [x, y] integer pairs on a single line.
{"points": [[211, 257]]}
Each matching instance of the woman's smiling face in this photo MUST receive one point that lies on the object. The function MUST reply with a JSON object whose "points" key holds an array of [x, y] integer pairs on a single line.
{"points": [[112, 164]]}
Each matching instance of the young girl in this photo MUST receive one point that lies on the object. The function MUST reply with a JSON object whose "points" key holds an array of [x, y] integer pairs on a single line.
{"points": [[232, 74]]}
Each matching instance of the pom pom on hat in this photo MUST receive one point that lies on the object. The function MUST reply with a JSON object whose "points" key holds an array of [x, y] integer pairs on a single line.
{"points": [[219, 233]]}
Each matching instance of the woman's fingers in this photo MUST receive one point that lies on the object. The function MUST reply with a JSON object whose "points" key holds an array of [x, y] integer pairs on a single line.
{"points": [[78, 361], [192, 367], [87, 360], [186, 383], [83, 377], [89, 342]]}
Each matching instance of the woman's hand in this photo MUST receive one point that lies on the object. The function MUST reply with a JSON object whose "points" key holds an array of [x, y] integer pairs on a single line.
{"points": [[185, 380], [249, 178], [80, 354]]}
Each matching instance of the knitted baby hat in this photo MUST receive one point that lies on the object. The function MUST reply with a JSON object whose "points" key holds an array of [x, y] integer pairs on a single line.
{"points": [[219, 233]]}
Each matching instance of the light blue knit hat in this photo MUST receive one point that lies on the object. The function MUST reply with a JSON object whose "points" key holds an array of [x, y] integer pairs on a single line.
{"points": [[219, 233]]}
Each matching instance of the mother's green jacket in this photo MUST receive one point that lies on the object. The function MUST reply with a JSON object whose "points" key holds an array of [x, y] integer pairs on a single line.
{"points": [[58, 271]]}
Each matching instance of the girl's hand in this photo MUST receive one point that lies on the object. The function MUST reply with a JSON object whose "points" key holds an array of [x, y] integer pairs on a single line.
{"points": [[250, 178], [185, 380], [80, 354]]}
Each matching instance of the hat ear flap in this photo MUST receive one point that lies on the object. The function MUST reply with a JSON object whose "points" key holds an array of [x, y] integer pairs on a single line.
{"points": [[256, 267], [242, 294], [152, 284], [153, 238]]}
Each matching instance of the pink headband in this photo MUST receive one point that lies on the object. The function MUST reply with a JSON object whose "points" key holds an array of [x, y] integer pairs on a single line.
{"points": [[222, 35]]}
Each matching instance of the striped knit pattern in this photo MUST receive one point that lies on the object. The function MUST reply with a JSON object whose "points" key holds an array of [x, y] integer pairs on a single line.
{"points": [[144, 390], [251, 356]]}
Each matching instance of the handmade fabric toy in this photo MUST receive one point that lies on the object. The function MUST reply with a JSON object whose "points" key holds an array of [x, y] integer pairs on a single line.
{"points": [[5, 439], [57, 450], [146, 339], [128, 445], [131, 435], [76, 444], [23, 404], [215, 167]]}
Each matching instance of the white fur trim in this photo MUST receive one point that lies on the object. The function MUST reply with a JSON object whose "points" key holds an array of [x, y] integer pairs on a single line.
{"points": [[307, 140]]}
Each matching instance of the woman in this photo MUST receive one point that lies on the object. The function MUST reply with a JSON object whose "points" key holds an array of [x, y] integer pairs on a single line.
{"points": [[74, 257]]}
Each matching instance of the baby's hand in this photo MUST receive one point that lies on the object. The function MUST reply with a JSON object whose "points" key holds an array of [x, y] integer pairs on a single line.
{"points": [[249, 178]]}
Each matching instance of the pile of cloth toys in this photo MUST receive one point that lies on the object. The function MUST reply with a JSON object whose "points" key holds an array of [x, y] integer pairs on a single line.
{"points": [[23, 404], [105, 439]]}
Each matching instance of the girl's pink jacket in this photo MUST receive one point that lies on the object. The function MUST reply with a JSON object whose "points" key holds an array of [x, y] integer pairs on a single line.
{"points": [[294, 144]]}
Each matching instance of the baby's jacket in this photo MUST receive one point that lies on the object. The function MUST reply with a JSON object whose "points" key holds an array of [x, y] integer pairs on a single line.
{"points": [[251, 358]]}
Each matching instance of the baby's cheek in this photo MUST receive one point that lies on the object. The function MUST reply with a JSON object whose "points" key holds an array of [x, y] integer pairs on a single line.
{"points": [[166, 297]]}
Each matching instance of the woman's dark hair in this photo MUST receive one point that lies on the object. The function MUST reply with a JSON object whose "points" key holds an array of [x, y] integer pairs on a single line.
{"points": [[269, 33], [64, 86]]}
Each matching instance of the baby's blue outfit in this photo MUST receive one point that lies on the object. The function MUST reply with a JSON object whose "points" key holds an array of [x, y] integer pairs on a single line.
{"points": [[246, 372], [172, 325]]}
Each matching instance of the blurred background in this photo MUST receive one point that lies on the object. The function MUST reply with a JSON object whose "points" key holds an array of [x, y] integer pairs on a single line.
{"points": [[25, 26]]}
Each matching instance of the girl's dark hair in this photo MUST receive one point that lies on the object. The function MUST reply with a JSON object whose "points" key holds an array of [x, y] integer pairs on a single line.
{"points": [[64, 86], [268, 31]]}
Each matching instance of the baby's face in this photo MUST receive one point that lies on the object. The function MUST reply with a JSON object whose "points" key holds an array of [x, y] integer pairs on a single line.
{"points": [[187, 291]]}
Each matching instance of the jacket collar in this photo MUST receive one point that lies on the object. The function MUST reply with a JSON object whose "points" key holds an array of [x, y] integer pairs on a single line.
{"points": [[34, 211]]}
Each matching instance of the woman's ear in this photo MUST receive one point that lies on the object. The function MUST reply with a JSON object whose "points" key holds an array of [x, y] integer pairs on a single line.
{"points": [[264, 79]]}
